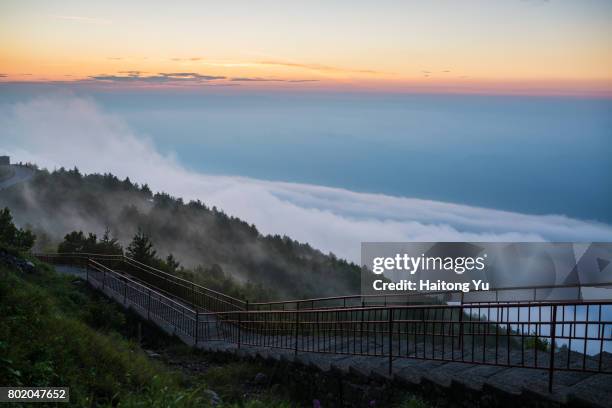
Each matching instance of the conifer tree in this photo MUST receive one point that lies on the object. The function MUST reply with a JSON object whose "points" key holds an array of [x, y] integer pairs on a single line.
{"points": [[141, 248]]}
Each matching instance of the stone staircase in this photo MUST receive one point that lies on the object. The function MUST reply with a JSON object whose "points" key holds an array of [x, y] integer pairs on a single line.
{"points": [[465, 384]]}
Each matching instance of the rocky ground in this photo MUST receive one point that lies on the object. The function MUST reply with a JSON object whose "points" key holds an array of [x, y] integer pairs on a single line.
{"points": [[16, 262]]}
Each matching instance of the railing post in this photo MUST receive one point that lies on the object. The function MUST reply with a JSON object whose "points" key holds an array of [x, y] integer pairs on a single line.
{"points": [[197, 325], [461, 326], [361, 327], [390, 342], [297, 323], [103, 279], [553, 333], [239, 324], [193, 296], [125, 292], [149, 306]]}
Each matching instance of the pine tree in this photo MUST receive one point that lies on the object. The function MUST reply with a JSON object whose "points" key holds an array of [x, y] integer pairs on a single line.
{"points": [[141, 248], [76, 241], [108, 245], [7, 228], [171, 263], [17, 238]]}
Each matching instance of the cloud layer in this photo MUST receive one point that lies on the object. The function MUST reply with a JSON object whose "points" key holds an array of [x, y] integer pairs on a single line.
{"points": [[193, 78], [163, 77], [72, 131]]}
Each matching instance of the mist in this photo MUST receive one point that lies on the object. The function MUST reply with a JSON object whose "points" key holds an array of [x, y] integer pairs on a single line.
{"points": [[68, 131]]}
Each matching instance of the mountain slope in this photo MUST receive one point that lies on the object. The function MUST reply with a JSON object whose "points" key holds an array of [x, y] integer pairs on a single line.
{"points": [[201, 238]]}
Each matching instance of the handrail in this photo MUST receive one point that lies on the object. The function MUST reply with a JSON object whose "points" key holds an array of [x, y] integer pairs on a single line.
{"points": [[303, 303], [126, 278], [418, 307], [219, 296], [160, 292], [190, 283], [77, 255], [432, 294], [446, 332]]}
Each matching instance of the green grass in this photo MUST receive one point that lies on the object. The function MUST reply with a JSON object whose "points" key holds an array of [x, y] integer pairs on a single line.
{"points": [[537, 343], [45, 342], [413, 402], [55, 332], [228, 379]]}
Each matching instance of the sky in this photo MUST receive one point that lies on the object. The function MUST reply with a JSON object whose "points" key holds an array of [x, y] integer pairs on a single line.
{"points": [[473, 46], [68, 68]]}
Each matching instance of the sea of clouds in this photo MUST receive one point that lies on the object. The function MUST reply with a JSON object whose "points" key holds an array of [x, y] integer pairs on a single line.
{"points": [[70, 131]]}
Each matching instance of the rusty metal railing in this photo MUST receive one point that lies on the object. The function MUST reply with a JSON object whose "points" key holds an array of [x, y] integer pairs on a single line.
{"points": [[558, 337], [524, 294], [549, 335], [197, 296]]}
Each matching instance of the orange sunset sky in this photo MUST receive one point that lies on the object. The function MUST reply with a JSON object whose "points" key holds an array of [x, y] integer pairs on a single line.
{"points": [[510, 46]]}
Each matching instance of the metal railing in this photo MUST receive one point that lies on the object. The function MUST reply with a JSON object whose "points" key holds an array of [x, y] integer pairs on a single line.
{"points": [[568, 336], [197, 296], [551, 335], [135, 294], [524, 294]]}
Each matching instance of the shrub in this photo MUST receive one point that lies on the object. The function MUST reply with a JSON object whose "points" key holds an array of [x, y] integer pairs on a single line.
{"points": [[14, 237], [44, 344]]}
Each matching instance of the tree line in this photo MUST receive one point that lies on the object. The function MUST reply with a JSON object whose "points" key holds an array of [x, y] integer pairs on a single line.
{"points": [[206, 241]]}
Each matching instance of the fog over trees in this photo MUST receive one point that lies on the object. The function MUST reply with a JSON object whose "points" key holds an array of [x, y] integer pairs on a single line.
{"points": [[72, 210]]}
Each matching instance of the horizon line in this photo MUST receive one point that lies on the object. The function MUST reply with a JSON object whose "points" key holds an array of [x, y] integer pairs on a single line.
{"points": [[484, 88]]}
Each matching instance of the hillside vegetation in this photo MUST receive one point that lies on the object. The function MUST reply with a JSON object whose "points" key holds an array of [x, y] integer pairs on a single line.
{"points": [[5, 172], [46, 341], [56, 331], [206, 241]]}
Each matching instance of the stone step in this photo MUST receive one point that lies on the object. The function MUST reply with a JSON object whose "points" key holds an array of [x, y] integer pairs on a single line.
{"points": [[432, 365], [594, 390]]}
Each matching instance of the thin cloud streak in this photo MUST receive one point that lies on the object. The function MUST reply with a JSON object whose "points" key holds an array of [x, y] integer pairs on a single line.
{"points": [[321, 68], [318, 67], [82, 19], [259, 79], [135, 76]]}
